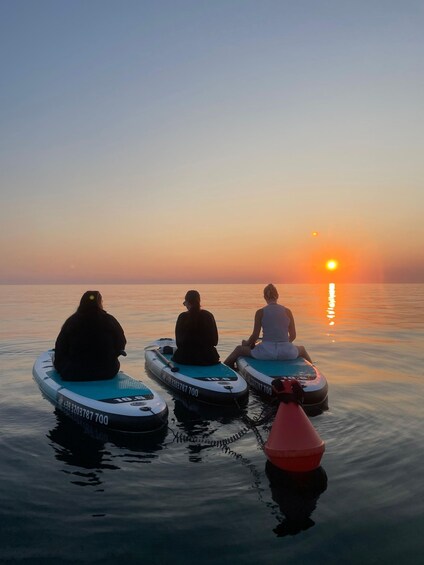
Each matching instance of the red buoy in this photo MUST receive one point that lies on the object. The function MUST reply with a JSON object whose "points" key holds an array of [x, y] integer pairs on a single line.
{"points": [[293, 444]]}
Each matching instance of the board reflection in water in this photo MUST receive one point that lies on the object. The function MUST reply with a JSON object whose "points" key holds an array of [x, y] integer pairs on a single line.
{"points": [[197, 424], [83, 446]]}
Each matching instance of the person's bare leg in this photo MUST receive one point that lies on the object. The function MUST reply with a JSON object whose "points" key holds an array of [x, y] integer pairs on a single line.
{"points": [[239, 351], [303, 353]]}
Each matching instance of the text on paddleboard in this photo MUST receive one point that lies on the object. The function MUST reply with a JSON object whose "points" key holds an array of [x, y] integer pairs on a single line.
{"points": [[76, 410]]}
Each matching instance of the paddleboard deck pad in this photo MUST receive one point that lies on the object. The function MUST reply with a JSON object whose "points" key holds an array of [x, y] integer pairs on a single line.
{"points": [[120, 404], [213, 384], [260, 374]]}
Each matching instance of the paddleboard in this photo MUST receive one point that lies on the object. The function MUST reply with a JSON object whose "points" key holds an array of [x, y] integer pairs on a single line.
{"points": [[122, 403], [260, 374], [214, 384]]}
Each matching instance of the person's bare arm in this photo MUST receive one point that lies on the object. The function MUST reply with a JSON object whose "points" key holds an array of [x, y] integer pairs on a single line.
{"points": [[256, 330], [292, 327]]}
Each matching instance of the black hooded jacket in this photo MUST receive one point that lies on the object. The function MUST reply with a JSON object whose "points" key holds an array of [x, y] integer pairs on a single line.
{"points": [[196, 336], [88, 346]]}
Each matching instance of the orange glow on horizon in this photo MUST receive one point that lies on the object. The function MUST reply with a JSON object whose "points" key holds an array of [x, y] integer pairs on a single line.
{"points": [[208, 258]]}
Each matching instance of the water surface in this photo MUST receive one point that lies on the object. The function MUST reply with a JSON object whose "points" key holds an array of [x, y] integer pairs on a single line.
{"points": [[74, 495]]}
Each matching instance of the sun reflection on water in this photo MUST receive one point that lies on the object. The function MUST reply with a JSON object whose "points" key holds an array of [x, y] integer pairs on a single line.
{"points": [[331, 307]]}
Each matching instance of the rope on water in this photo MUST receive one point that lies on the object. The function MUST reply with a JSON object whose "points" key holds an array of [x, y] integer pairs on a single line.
{"points": [[251, 424], [204, 440]]}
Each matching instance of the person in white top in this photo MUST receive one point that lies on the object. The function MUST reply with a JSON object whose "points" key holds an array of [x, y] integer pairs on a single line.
{"points": [[279, 332]]}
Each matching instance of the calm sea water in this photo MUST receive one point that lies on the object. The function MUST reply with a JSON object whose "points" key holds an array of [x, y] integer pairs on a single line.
{"points": [[70, 495]]}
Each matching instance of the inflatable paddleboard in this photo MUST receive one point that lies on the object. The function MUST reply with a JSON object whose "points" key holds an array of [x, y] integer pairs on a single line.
{"points": [[122, 403], [214, 384], [260, 374]]}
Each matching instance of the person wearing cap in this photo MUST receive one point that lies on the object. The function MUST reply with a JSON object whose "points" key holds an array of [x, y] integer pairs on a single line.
{"points": [[89, 343], [196, 334], [279, 332]]}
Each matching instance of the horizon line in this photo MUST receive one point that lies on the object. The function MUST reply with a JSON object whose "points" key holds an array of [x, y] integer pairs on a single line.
{"points": [[46, 283]]}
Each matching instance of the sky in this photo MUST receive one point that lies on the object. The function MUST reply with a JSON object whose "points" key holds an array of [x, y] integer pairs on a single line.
{"points": [[205, 141]]}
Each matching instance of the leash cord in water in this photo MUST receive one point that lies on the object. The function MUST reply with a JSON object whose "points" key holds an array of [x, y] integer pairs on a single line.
{"points": [[264, 417], [251, 425], [204, 440]]}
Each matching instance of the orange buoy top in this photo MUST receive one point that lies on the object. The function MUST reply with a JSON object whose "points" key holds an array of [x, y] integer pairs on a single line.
{"points": [[293, 443]]}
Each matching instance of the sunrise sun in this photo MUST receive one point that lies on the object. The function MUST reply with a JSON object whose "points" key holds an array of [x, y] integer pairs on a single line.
{"points": [[331, 265]]}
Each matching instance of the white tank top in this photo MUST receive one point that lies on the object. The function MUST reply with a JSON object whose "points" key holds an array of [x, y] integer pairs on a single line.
{"points": [[275, 323]]}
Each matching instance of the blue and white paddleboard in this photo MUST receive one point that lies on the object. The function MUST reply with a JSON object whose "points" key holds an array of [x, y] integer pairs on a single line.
{"points": [[214, 384], [122, 403], [260, 374]]}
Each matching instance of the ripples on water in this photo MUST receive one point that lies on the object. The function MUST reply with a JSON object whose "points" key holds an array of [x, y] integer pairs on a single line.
{"points": [[76, 495]]}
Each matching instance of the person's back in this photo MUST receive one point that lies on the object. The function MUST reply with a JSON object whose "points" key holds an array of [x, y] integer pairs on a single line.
{"points": [[88, 345], [196, 334], [279, 332], [275, 323]]}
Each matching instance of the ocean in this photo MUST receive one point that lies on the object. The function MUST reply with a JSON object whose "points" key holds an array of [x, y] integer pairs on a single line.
{"points": [[76, 495]]}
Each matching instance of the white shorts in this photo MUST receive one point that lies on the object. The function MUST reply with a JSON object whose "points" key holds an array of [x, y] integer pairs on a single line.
{"points": [[273, 350]]}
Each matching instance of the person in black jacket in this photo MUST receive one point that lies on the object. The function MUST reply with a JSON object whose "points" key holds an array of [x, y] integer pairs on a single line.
{"points": [[89, 343], [196, 334]]}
